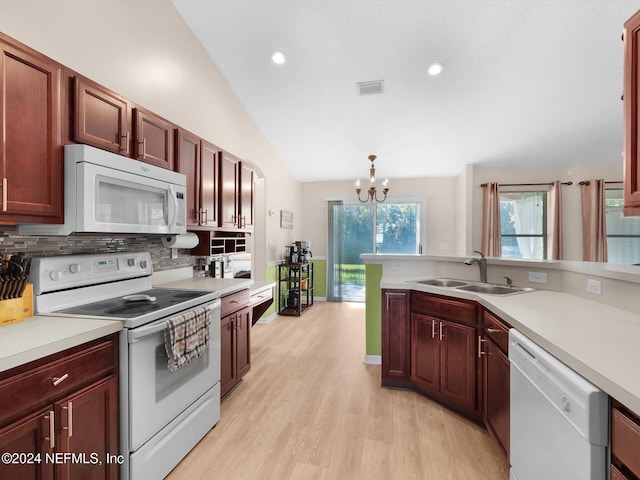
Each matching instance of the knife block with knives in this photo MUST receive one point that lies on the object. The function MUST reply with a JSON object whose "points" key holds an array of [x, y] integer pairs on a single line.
{"points": [[16, 294]]}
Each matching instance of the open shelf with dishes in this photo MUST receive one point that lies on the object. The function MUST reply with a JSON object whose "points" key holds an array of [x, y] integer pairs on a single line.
{"points": [[296, 288]]}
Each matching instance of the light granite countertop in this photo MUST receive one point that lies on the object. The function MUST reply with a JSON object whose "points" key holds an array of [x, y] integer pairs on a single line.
{"points": [[598, 341], [43, 335]]}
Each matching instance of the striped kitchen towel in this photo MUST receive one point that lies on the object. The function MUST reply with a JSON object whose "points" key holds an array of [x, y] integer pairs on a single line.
{"points": [[186, 336]]}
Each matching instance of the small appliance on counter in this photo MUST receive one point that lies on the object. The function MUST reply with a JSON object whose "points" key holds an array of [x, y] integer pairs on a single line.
{"points": [[220, 267], [298, 252]]}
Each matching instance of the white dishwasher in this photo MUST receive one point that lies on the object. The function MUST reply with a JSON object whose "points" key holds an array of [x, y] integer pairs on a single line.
{"points": [[559, 421]]}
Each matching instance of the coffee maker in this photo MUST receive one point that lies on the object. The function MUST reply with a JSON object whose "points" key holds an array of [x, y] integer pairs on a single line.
{"points": [[302, 251]]}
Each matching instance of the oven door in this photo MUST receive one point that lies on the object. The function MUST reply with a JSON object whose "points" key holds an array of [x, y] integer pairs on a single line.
{"points": [[157, 395]]}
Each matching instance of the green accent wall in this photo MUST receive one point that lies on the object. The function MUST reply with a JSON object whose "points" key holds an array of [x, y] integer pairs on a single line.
{"points": [[373, 306], [272, 276], [320, 278]]}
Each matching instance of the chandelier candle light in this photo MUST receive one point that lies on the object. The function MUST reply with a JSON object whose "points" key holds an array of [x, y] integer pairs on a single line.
{"points": [[372, 192]]}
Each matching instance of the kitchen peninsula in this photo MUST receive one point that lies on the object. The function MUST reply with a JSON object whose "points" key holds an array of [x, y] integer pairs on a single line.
{"points": [[592, 335]]}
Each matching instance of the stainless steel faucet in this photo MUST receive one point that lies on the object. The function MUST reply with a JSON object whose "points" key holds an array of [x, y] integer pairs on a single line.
{"points": [[482, 265]]}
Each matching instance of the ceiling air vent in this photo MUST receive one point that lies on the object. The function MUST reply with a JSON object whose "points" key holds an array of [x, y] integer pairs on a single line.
{"points": [[370, 88]]}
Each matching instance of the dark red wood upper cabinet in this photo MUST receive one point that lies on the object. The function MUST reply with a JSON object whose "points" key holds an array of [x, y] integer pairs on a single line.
{"points": [[31, 154], [101, 117], [246, 196], [197, 159], [153, 138], [228, 191], [208, 185], [631, 102], [188, 163]]}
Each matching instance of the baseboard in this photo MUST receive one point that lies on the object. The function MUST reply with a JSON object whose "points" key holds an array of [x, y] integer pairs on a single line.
{"points": [[372, 360], [268, 319]]}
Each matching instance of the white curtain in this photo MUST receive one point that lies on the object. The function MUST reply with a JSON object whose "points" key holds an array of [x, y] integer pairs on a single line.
{"points": [[528, 221]]}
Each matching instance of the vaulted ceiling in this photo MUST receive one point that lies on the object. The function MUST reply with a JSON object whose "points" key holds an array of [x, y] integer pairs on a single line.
{"points": [[525, 82]]}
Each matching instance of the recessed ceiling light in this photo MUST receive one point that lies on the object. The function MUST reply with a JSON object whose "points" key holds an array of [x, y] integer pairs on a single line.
{"points": [[278, 58], [435, 69]]}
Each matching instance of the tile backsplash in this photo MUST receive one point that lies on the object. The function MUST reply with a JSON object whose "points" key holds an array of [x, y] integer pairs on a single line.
{"points": [[11, 242]]}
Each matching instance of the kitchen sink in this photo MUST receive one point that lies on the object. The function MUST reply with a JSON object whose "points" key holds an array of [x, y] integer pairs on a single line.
{"points": [[494, 289], [442, 282]]}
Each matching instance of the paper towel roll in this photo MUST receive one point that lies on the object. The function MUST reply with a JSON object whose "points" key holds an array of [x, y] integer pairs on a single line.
{"points": [[186, 240]]}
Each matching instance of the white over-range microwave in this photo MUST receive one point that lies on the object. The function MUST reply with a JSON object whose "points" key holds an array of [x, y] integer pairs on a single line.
{"points": [[108, 193]]}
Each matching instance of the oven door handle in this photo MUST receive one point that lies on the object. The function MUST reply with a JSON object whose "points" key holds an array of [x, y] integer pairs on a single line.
{"points": [[137, 334]]}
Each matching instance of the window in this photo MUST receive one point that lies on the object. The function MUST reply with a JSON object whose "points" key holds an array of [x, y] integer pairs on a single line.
{"points": [[623, 233], [523, 224]]}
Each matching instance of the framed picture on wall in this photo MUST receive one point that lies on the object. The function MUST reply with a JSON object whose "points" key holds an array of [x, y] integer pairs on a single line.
{"points": [[286, 219]]}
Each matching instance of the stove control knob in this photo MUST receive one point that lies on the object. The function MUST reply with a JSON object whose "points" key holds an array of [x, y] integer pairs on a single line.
{"points": [[131, 262], [143, 264], [74, 267], [55, 275]]}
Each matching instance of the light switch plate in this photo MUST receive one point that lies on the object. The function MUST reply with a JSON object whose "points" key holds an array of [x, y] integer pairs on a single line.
{"points": [[537, 277]]}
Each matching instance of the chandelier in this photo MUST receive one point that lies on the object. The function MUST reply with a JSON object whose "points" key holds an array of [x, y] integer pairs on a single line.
{"points": [[372, 193]]}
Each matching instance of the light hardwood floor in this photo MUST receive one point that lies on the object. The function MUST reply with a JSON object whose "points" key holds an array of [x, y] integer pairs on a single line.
{"points": [[310, 409]]}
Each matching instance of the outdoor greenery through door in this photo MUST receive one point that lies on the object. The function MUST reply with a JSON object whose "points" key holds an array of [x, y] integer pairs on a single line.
{"points": [[355, 229]]}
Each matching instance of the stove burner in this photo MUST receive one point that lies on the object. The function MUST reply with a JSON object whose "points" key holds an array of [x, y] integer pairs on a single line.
{"points": [[137, 304]]}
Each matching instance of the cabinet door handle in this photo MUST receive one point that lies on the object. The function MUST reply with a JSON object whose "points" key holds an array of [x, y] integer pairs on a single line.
{"points": [[144, 147], [58, 380], [494, 330], [69, 427], [480, 352], [206, 219], [441, 330], [52, 429], [124, 137], [5, 183], [433, 329]]}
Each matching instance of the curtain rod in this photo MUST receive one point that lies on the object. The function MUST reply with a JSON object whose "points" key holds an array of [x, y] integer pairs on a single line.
{"points": [[525, 184], [587, 182]]}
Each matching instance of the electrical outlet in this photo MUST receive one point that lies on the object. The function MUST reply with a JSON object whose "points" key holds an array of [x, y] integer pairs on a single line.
{"points": [[396, 266], [537, 277], [594, 286]]}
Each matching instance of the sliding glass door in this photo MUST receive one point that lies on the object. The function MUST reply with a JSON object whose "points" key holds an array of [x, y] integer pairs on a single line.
{"points": [[364, 228]]}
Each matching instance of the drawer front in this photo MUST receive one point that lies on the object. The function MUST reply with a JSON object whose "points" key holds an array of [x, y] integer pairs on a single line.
{"points": [[33, 388], [260, 296], [496, 330], [625, 440], [235, 301], [446, 308]]}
